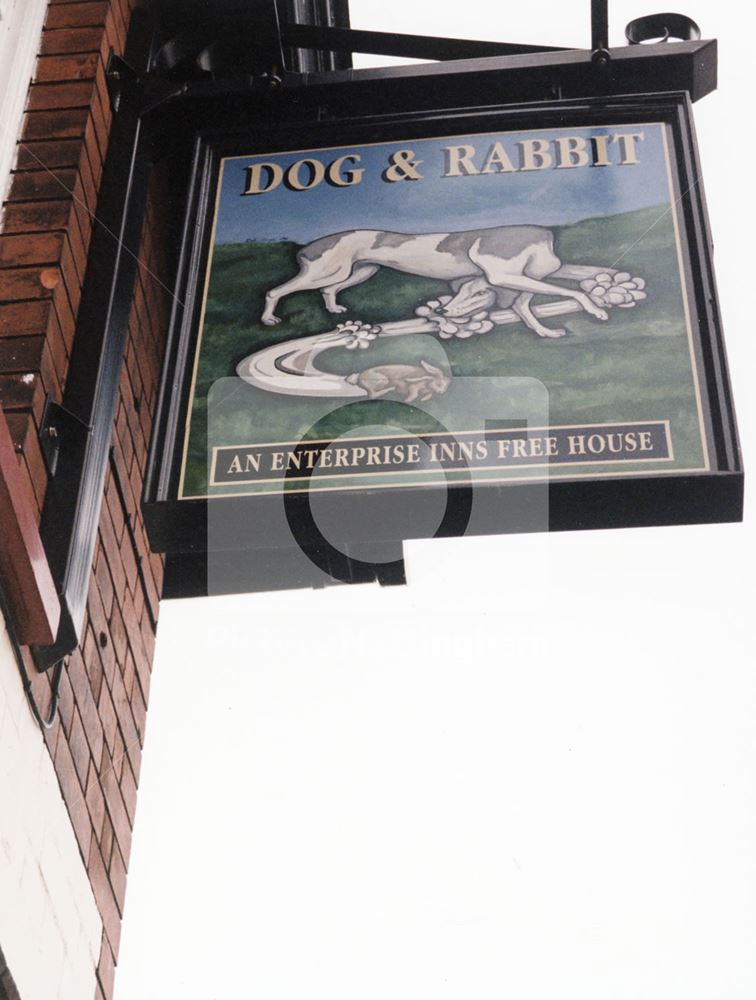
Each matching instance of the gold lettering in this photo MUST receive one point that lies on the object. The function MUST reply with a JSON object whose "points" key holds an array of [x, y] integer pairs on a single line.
{"points": [[497, 161], [628, 149], [572, 152], [294, 175], [535, 154], [335, 176], [458, 160], [259, 183], [601, 151]]}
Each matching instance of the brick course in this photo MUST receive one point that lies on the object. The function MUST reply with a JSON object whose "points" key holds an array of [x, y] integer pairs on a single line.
{"points": [[97, 739]]}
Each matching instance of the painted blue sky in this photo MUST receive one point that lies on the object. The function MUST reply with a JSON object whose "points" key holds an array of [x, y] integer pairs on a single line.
{"points": [[438, 203]]}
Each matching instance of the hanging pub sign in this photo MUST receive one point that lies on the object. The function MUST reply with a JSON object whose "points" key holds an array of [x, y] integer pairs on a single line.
{"points": [[515, 305]]}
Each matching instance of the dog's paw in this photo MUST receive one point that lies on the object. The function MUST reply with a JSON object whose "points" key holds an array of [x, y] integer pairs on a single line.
{"points": [[270, 320], [337, 309], [595, 310], [552, 334]]}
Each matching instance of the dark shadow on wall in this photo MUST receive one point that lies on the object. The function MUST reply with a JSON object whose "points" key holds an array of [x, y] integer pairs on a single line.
{"points": [[8, 990]]}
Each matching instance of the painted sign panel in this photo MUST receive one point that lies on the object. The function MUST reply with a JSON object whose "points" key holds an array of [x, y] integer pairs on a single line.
{"points": [[398, 279]]}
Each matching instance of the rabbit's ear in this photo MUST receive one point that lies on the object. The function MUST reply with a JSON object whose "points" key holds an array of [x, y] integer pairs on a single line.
{"points": [[431, 369]]}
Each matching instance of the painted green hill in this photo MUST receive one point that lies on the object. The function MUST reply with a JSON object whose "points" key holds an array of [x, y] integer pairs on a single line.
{"points": [[634, 367]]}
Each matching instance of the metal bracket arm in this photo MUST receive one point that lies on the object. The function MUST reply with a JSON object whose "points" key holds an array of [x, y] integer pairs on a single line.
{"points": [[408, 46]]}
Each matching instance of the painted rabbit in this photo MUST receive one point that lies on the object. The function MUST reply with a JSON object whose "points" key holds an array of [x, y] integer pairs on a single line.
{"points": [[409, 382]]}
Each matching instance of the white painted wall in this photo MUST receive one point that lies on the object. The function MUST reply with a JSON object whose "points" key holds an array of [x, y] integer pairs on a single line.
{"points": [[20, 29], [50, 928]]}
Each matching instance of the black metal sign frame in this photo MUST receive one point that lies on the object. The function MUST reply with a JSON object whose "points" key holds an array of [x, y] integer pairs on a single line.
{"points": [[180, 526]]}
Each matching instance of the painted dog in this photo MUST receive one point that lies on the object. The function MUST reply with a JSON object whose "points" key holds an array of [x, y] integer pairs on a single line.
{"points": [[508, 263]]}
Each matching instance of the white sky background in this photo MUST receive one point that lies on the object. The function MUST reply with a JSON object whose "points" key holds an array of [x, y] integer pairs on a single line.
{"points": [[531, 773]]}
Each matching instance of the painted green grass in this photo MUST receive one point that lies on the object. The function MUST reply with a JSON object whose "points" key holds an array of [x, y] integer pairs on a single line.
{"points": [[634, 367]]}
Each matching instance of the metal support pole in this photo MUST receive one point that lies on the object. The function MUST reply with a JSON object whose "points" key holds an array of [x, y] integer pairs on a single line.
{"points": [[600, 30], [83, 426], [408, 46]]}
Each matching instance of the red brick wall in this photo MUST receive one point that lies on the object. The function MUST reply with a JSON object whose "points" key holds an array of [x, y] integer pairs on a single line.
{"points": [[44, 237]]}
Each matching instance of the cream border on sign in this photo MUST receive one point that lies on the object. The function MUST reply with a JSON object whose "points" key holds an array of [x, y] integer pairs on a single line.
{"points": [[684, 291]]}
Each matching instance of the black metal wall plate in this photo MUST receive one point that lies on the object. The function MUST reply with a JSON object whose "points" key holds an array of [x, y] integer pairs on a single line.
{"points": [[655, 367]]}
